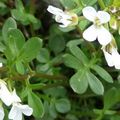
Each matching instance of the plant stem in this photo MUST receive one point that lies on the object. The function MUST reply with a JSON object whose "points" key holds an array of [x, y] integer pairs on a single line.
{"points": [[33, 74], [49, 86]]}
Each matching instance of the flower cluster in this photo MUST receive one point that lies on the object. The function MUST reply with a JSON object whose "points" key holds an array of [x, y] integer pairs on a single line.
{"points": [[11, 98], [97, 31], [105, 38]]}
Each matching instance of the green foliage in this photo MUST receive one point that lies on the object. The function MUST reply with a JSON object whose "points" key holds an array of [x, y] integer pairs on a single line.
{"points": [[36, 104], [10, 23], [54, 70], [21, 15], [62, 105], [84, 77]]}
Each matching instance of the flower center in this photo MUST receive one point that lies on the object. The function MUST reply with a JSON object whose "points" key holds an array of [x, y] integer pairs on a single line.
{"points": [[74, 19], [97, 22]]}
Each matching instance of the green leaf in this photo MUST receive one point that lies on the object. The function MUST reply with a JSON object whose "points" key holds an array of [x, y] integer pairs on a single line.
{"points": [[32, 19], [3, 8], [71, 117], [68, 4], [110, 98], [43, 56], [103, 73], [74, 42], [63, 105], [88, 2], [56, 40], [116, 3], [35, 102], [18, 15], [77, 52], [19, 39], [9, 23], [15, 42], [57, 43], [12, 47], [83, 24], [20, 67], [115, 117], [95, 84], [72, 62], [108, 2], [56, 91], [79, 82], [52, 109], [2, 47], [19, 5], [30, 49]]}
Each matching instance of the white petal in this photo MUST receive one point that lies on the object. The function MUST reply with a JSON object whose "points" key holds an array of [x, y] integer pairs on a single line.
{"points": [[65, 23], [104, 36], [2, 114], [90, 13], [18, 116], [1, 64], [90, 34], [26, 109], [108, 58], [54, 10], [5, 95], [15, 97], [12, 112], [15, 113], [104, 17], [116, 58]]}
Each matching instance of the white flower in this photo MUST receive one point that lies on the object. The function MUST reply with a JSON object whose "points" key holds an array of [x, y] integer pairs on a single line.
{"points": [[97, 30], [18, 109], [5, 94], [2, 114], [65, 18], [112, 57]]}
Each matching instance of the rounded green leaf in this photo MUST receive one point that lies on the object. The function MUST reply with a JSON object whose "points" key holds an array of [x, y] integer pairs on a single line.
{"points": [[57, 43], [43, 56], [9, 23], [63, 105], [69, 4], [20, 67], [30, 49], [79, 82], [19, 39]]}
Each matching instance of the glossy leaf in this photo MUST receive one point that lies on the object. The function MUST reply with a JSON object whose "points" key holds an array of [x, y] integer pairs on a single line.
{"points": [[9, 23], [95, 84], [103, 73], [63, 105], [35, 102], [79, 82], [72, 62], [30, 49], [110, 98]]}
